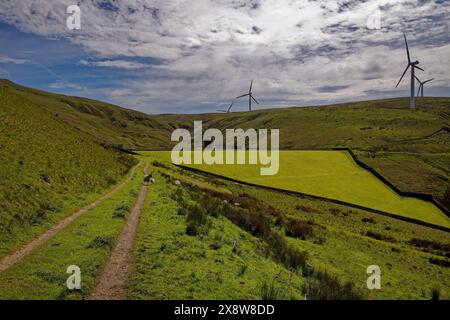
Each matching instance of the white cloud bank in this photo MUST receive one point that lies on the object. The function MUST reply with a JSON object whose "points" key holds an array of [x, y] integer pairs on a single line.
{"points": [[298, 51]]}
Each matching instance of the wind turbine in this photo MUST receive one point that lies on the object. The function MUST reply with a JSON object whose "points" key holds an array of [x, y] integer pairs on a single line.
{"points": [[250, 97], [229, 108], [413, 65], [421, 85]]}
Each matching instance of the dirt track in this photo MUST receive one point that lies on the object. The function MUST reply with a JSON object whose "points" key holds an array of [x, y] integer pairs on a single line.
{"points": [[111, 283], [13, 258]]}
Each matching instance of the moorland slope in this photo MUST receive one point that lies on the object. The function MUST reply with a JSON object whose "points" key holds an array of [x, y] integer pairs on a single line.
{"points": [[47, 169]]}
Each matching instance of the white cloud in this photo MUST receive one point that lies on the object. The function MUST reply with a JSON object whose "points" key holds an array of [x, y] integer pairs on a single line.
{"points": [[9, 60], [210, 49], [120, 64], [66, 85]]}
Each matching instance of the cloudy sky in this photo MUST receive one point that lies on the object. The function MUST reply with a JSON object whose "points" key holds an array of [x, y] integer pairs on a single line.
{"points": [[169, 56]]}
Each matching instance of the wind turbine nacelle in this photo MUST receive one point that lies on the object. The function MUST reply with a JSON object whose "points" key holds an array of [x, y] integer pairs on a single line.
{"points": [[416, 62]]}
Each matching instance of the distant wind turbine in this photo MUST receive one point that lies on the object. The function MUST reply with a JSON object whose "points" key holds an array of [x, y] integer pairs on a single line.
{"points": [[229, 108], [413, 65], [421, 86], [250, 97]]}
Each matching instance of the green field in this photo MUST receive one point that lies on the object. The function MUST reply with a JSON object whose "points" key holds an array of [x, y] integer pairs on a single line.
{"points": [[343, 242], [334, 175]]}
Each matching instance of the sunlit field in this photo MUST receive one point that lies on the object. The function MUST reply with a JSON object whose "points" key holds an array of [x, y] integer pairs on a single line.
{"points": [[330, 174]]}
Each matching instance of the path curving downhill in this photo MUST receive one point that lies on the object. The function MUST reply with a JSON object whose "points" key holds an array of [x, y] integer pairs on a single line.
{"points": [[10, 260], [111, 283]]}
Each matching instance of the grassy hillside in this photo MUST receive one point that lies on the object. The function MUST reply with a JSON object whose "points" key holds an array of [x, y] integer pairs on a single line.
{"points": [[377, 125], [329, 174], [47, 168], [242, 238], [103, 121], [404, 146]]}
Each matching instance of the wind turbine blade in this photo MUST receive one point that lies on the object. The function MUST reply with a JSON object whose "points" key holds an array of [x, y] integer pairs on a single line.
{"points": [[407, 48], [418, 91], [254, 99], [428, 80], [418, 68], [229, 108], [417, 79], [244, 95], [402, 76], [251, 85]]}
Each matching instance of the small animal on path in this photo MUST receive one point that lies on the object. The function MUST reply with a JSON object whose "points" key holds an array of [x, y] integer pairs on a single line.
{"points": [[148, 179]]}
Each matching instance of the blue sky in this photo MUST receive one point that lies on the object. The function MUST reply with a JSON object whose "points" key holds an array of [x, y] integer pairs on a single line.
{"points": [[54, 65], [166, 56]]}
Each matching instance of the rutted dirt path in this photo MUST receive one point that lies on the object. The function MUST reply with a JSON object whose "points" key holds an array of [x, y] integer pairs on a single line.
{"points": [[15, 257], [111, 283]]}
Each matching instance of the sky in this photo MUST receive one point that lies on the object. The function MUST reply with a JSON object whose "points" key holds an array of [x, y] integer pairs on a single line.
{"points": [[176, 56]]}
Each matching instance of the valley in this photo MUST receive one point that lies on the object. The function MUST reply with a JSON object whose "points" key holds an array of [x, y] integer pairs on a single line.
{"points": [[218, 233]]}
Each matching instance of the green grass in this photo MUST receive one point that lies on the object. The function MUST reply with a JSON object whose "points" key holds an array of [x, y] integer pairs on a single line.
{"points": [[47, 169], [334, 175], [340, 245], [376, 125], [102, 121], [170, 264], [347, 250], [86, 242], [416, 172]]}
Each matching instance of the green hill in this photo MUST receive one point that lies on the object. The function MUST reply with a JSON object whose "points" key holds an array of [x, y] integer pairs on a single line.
{"points": [[377, 125], [47, 168], [104, 122], [409, 148]]}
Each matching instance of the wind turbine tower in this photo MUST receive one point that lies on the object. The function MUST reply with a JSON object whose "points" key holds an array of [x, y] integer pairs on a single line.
{"points": [[250, 97], [414, 66], [422, 84], [228, 110]]}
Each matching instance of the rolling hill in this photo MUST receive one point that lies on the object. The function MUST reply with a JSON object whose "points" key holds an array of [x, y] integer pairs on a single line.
{"points": [[104, 122], [410, 149]]}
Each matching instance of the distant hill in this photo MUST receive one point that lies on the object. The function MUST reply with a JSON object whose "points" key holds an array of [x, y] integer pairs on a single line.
{"points": [[46, 165], [409, 148], [374, 125]]}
